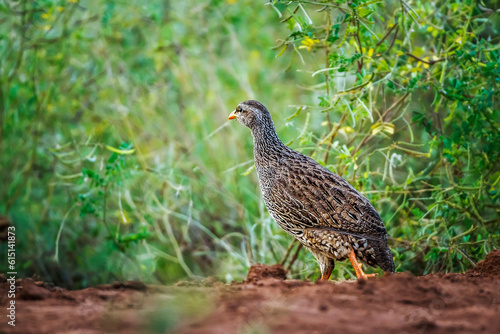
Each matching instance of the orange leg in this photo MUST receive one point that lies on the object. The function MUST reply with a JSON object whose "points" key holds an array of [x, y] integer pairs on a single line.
{"points": [[357, 267], [325, 276]]}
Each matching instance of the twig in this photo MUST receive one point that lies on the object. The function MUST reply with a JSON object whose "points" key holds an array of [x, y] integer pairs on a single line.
{"points": [[369, 136], [21, 48], [327, 80], [469, 231], [294, 258], [360, 61], [332, 137], [393, 39], [104, 220], [393, 106], [288, 251], [466, 256], [493, 221], [428, 62], [322, 4], [385, 36]]}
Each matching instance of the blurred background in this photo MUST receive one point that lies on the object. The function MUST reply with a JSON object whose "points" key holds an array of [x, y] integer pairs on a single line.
{"points": [[118, 161]]}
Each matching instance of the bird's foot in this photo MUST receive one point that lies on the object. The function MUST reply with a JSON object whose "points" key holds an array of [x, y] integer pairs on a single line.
{"points": [[358, 269], [365, 276]]}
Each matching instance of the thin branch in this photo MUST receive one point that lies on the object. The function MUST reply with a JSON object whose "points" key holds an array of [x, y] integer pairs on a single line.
{"points": [[393, 39], [288, 251], [332, 137], [429, 62], [356, 37], [294, 258], [385, 36]]}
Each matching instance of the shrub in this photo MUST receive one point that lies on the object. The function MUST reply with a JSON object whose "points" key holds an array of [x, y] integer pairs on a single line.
{"points": [[409, 97]]}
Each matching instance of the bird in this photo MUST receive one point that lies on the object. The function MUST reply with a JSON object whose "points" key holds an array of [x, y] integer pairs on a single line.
{"points": [[314, 205]]}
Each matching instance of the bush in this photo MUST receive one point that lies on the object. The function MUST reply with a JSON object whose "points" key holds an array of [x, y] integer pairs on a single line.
{"points": [[117, 162], [409, 94]]}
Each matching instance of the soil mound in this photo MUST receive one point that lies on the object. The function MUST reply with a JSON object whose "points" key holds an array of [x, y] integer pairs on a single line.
{"points": [[33, 290], [490, 266], [260, 272], [267, 303]]}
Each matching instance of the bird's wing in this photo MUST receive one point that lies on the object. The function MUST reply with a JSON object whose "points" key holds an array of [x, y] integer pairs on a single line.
{"points": [[312, 196]]}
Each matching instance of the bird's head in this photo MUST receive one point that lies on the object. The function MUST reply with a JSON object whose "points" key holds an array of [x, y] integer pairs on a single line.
{"points": [[252, 114]]}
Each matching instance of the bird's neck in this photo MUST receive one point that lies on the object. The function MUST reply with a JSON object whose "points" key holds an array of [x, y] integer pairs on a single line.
{"points": [[266, 143]]}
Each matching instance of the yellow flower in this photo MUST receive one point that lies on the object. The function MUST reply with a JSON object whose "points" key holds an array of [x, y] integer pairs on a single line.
{"points": [[308, 42]]}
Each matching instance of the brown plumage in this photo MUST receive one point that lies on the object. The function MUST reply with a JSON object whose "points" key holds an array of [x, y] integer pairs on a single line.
{"points": [[317, 207]]}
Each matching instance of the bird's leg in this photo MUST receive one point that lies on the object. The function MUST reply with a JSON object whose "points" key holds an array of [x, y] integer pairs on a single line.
{"points": [[357, 267], [326, 264], [325, 275]]}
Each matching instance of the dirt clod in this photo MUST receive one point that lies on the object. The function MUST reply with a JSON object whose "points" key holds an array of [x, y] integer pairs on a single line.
{"points": [[134, 285], [490, 266], [260, 272], [31, 291]]}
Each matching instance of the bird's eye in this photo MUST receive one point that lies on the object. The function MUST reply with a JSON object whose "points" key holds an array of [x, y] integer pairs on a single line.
{"points": [[239, 109]]}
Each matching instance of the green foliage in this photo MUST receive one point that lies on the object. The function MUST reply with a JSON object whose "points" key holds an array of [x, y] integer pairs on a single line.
{"points": [[419, 83], [117, 160], [83, 81]]}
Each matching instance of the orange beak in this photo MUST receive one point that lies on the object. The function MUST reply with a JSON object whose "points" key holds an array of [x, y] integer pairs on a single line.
{"points": [[232, 115]]}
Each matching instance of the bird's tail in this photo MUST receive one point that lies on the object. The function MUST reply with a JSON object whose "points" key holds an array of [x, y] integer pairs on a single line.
{"points": [[383, 255]]}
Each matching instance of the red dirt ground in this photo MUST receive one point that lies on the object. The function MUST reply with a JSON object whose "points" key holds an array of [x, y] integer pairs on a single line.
{"points": [[268, 303]]}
